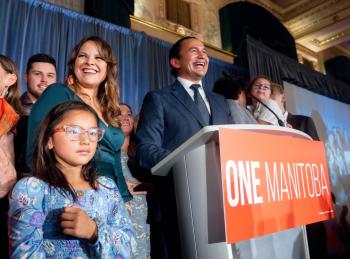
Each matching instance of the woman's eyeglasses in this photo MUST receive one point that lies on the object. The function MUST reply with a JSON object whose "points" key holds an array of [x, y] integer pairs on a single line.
{"points": [[75, 133], [261, 86]]}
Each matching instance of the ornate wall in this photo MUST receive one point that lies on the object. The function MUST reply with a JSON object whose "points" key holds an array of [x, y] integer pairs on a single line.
{"points": [[76, 5], [204, 18], [309, 21]]}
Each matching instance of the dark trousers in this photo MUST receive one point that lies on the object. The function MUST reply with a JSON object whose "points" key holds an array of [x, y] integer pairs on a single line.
{"points": [[168, 232]]}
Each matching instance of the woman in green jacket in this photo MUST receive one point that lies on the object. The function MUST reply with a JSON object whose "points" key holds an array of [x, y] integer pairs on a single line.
{"points": [[92, 78]]}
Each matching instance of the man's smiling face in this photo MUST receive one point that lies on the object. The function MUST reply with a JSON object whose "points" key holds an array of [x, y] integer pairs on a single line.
{"points": [[193, 61]]}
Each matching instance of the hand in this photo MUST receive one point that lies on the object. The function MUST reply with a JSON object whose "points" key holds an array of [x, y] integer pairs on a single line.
{"points": [[76, 222], [131, 185], [289, 125]]}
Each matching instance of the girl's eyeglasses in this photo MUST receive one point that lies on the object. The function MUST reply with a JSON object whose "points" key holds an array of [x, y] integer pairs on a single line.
{"points": [[261, 86], [74, 132]]}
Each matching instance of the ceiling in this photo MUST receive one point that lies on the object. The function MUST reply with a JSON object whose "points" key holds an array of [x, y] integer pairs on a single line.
{"points": [[316, 25]]}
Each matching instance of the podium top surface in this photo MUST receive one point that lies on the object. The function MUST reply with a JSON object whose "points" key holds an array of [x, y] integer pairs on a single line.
{"points": [[206, 133]]}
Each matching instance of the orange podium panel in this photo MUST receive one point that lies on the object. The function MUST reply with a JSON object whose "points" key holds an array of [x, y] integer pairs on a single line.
{"points": [[271, 183]]}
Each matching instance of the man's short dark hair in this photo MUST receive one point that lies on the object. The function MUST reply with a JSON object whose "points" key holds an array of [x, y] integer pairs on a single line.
{"points": [[40, 57], [229, 86], [175, 51]]}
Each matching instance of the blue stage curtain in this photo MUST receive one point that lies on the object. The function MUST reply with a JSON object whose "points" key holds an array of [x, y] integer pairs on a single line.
{"points": [[31, 26]]}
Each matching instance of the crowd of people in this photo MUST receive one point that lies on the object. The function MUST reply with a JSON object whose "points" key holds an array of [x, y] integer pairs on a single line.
{"points": [[75, 162]]}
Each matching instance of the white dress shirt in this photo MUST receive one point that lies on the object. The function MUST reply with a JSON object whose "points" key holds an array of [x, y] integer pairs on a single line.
{"points": [[187, 84]]}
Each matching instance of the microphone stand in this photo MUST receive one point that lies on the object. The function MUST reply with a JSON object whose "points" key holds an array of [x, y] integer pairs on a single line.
{"points": [[280, 122]]}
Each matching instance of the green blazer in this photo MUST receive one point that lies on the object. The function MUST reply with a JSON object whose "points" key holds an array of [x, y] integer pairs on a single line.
{"points": [[107, 158]]}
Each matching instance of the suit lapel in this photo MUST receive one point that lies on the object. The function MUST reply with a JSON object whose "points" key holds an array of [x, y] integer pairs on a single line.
{"points": [[182, 96]]}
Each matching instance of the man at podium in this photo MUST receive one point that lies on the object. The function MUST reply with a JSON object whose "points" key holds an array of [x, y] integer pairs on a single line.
{"points": [[172, 115]]}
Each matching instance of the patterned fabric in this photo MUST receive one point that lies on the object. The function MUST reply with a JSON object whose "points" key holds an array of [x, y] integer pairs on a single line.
{"points": [[8, 117], [34, 222], [138, 216]]}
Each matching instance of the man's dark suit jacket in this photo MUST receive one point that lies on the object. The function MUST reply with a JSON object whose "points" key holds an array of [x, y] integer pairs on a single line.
{"points": [[169, 117], [303, 123]]}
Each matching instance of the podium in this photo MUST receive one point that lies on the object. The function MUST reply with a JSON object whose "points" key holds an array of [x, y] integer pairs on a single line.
{"points": [[199, 197]]}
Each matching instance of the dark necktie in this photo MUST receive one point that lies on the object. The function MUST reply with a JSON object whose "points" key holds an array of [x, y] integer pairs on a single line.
{"points": [[198, 100]]}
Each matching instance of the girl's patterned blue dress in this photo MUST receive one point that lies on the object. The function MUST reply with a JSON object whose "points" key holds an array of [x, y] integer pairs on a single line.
{"points": [[34, 222], [138, 216]]}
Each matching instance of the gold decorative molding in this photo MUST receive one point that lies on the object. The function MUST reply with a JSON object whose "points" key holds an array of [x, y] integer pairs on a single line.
{"points": [[179, 30], [179, 35], [320, 16], [322, 28], [332, 38]]}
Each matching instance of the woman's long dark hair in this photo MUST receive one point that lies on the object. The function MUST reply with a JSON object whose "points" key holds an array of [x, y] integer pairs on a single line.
{"points": [[44, 165], [13, 96], [108, 91]]}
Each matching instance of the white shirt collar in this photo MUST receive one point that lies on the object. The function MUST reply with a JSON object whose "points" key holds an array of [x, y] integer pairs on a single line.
{"points": [[187, 83]]}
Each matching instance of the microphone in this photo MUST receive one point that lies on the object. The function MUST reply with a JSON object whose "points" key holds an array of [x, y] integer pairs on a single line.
{"points": [[280, 122]]}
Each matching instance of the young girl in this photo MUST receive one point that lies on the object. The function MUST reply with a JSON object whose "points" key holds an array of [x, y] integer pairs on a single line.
{"points": [[260, 92], [65, 210]]}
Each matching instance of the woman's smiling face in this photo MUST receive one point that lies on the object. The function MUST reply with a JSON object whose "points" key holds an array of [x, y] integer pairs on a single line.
{"points": [[90, 68]]}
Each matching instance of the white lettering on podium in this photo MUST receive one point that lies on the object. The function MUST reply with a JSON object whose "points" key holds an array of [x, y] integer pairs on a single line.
{"points": [[283, 181], [293, 182], [272, 188], [241, 177], [303, 180], [323, 179], [231, 165]]}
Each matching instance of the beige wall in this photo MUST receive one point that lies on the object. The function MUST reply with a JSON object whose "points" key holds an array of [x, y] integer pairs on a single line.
{"points": [[76, 5], [204, 18]]}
